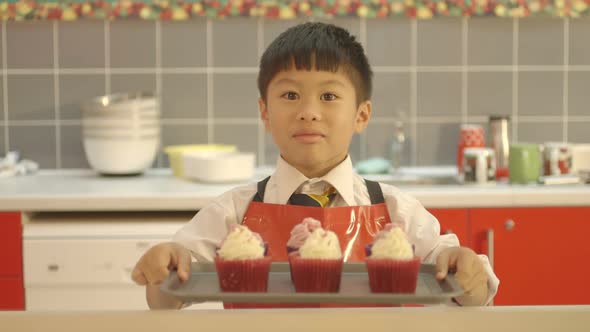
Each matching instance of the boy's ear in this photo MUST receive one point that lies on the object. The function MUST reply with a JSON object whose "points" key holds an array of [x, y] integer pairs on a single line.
{"points": [[363, 115], [263, 110]]}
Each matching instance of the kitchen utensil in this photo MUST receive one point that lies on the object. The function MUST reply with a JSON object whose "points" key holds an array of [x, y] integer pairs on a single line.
{"points": [[524, 163], [119, 156], [557, 158], [500, 142], [203, 285], [580, 158], [176, 153], [219, 167], [559, 179], [470, 136], [121, 104], [479, 165], [121, 132]]}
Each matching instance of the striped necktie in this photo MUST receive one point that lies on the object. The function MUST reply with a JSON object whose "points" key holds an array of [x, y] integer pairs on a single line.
{"points": [[312, 199]]}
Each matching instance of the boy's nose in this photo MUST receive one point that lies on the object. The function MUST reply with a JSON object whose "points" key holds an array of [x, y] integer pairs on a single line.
{"points": [[309, 112], [308, 117]]}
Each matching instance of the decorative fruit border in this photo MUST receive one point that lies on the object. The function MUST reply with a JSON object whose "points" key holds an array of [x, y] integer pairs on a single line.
{"points": [[285, 9]]}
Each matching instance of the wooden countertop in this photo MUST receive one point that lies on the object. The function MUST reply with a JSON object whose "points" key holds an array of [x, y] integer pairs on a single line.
{"points": [[439, 319]]}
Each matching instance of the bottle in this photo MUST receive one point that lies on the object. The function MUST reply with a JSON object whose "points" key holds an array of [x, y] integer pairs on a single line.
{"points": [[499, 135], [397, 146]]}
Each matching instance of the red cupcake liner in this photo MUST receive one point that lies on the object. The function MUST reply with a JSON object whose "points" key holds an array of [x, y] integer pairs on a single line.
{"points": [[250, 275], [312, 275], [393, 276]]}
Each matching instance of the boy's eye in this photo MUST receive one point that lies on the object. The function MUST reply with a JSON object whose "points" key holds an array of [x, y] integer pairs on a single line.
{"points": [[291, 95], [329, 97]]}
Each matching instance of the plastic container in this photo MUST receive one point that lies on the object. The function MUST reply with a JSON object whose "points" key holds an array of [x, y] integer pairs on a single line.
{"points": [[218, 166], [176, 152]]}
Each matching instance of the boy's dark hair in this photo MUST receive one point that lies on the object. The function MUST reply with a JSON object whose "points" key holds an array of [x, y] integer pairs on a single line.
{"points": [[326, 47]]}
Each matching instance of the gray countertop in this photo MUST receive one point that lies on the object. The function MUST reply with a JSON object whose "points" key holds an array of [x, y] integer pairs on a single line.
{"points": [[158, 190]]}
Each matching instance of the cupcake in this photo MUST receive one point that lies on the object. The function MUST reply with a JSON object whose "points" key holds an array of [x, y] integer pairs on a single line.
{"points": [[315, 258], [241, 262], [391, 263]]}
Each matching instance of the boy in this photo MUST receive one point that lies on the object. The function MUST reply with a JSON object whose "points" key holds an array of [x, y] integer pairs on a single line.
{"points": [[315, 89]]}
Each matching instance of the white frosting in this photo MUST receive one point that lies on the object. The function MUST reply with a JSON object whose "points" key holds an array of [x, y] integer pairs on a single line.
{"points": [[321, 244], [392, 244], [240, 244]]}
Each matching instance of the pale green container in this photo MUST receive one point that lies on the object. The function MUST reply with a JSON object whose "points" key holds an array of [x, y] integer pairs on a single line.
{"points": [[524, 163]]}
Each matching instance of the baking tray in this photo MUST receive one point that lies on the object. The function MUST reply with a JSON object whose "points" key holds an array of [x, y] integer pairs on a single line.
{"points": [[354, 287]]}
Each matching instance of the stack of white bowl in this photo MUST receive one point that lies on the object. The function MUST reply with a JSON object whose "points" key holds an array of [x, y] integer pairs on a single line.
{"points": [[121, 132]]}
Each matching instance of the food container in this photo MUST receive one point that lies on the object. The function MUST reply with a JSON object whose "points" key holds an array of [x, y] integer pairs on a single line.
{"points": [[176, 153], [557, 158], [479, 165], [218, 167], [471, 136], [581, 158]]}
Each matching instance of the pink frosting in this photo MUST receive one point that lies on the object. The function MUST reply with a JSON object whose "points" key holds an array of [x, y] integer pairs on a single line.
{"points": [[301, 232]]}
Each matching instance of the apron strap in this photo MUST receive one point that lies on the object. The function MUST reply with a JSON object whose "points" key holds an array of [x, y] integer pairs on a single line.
{"points": [[375, 192], [259, 197]]}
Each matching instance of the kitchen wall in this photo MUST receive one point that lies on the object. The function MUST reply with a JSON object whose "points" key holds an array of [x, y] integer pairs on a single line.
{"points": [[434, 74]]}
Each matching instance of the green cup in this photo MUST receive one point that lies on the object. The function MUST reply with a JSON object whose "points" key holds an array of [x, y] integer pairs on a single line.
{"points": [[524, 163]]}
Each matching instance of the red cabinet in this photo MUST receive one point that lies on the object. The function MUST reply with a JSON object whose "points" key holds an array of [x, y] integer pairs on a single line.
{"points": [[12, 294], [11, 268], [539, 254], [453, 221]]}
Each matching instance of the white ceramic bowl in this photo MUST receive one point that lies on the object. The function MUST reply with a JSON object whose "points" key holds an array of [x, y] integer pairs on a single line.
{"points": [[129, 115], [112, 123], [120, 133], [121, 103], [219, 167], [121, 156]]}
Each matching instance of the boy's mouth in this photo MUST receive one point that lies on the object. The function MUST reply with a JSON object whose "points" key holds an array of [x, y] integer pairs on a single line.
{"points": [[308, 136]]}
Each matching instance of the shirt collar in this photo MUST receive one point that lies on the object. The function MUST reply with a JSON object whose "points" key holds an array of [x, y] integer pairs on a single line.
{"points": [[288, 179]]}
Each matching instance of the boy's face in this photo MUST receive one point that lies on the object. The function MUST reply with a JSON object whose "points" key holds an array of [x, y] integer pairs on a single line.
{"points": [[312, 116]]}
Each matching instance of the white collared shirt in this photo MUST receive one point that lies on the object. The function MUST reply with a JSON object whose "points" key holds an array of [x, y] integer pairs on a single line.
{"points": [[210, 225]]}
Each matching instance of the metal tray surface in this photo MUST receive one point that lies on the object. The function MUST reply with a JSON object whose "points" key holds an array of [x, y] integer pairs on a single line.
{"points": [[354, 288]]}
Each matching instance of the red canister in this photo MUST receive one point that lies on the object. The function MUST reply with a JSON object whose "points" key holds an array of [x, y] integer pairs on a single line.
{"points": [[471, 136]]}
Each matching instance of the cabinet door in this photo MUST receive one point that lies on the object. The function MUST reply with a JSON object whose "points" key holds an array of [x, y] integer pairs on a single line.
{"points": [[12, 295], [539, 254], [66, 262], [453, 221], [10, 245]]}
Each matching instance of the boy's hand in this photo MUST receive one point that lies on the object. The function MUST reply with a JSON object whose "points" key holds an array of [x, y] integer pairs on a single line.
{"points": [[469, 273], [155, 265]]}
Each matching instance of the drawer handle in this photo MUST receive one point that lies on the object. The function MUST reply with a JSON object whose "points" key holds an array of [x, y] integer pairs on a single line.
{"points": [[490, 238], [142, 245], [53, 267], [509, 224]]}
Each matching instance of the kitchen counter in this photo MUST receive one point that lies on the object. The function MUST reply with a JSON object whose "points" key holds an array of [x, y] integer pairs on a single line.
{"points": [[440, 319], [158, 190]]}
